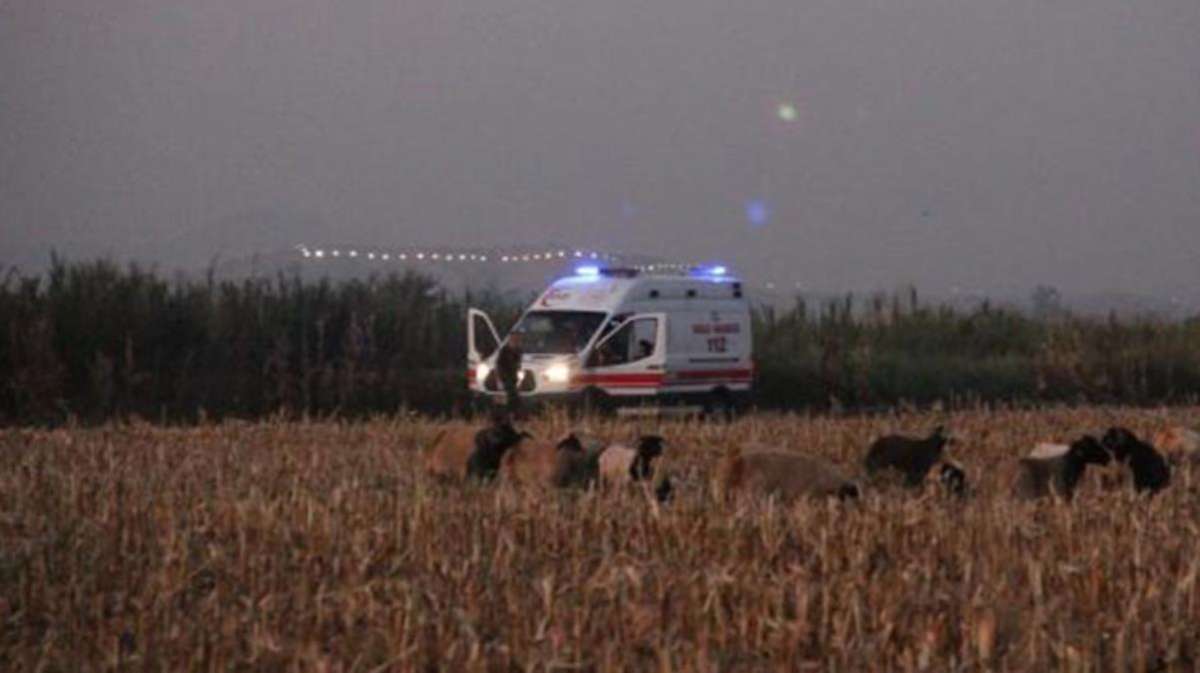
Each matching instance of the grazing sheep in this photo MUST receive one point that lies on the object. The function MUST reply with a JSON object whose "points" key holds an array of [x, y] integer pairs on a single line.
{"points": [[1179, 444], [1055, 469], [461, 451], [1150, 471], [575, 464], [590, 443], [448, 453], [953, 478], [533, 462], [1048, 450], [912, 457], [562, 464], [772, 472], [490, 445], [619, 464], [664, 490]]}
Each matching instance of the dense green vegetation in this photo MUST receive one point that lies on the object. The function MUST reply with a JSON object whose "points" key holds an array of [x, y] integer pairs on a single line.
{"points": [[93, 340], [893, 350]]}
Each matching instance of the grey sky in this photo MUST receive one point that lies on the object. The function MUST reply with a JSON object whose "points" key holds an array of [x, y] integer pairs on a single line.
{"points": [[976, 143]]}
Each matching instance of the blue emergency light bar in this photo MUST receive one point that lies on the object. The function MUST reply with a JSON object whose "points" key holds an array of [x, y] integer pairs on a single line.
{"points": [[714, 271]]}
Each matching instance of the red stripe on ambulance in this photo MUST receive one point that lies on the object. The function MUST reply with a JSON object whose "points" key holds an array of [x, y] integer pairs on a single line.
{"points": [[708, 374], [620, 380], [653, 379]]}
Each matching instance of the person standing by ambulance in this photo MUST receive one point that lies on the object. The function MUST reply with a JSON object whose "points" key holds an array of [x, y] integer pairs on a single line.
{"points": [[508, 370]]}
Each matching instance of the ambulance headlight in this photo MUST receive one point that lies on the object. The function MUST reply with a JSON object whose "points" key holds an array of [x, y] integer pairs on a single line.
{"points": [[558, 373], [481, 372]]}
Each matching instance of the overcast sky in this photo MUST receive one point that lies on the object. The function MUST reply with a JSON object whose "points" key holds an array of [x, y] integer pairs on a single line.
{"points": [[978, 143]]}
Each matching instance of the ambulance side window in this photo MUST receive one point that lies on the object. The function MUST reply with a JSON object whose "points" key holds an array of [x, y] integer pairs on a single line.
{"points": [[612, 324], [645, 337], [635, 341]]}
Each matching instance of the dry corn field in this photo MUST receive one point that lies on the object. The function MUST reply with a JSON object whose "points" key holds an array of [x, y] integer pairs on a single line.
{"points": [[286, 546]]}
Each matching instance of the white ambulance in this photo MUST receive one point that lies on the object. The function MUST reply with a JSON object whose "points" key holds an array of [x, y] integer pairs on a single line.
{"points": [[611, 336]]}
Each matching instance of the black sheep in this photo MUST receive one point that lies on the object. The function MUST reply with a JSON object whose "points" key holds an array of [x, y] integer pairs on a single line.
{"points": [[953, 479], [664, 490], [649, 447], [913, 457], [848, 492], [1150, 470], [490, 445]]}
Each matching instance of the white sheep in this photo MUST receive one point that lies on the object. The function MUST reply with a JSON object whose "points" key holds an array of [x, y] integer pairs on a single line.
{"points": [[620, 464], [1055, 469]]}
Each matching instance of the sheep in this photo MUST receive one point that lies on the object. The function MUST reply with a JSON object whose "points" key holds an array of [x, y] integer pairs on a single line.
{"points": [[448, 453], [1150, 471], [773, 472], [560, 464], [1181, 445], [619, 464], [491, 443], [532, 462], [460, 452], [664, 490], [575, 464], [953, 478], [1057, 468], [590, 443], [912, 457]]}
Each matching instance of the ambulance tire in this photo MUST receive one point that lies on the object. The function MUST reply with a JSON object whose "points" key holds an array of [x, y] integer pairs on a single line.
{"points": [[721, 406], [594, 402]]}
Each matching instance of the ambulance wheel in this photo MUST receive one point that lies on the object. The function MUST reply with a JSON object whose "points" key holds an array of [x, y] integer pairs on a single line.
{"points": [[721, 406], [594, 402]]}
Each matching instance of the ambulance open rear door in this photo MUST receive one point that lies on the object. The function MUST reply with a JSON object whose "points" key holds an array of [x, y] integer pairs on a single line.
{"points": [[482, 342]]}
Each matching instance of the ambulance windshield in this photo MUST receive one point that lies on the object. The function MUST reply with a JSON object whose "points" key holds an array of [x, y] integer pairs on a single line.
{"points": [[557, 332]]}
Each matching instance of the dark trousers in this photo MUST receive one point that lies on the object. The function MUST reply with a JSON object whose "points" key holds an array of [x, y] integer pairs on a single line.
{"points": [[513, 398]]}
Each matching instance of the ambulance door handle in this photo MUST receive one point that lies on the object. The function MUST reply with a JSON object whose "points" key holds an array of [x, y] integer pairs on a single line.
{"points": [[654, 367]]}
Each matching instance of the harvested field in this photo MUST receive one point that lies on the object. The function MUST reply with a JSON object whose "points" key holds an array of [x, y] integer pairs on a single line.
{"points": [[322, 546]]}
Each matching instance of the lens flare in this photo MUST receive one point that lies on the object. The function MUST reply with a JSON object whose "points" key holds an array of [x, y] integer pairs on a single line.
{"points": [[757, 212]]}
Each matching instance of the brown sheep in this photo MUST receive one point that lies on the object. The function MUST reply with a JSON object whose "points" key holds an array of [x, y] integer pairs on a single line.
{"points": [[448, 453], [772, 472], [1181, 445], [556, 464], [910, 456], [460, 451]]}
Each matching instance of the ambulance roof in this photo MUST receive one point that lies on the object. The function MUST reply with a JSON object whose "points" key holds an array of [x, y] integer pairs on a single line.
{"points": [[604, 292]]}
